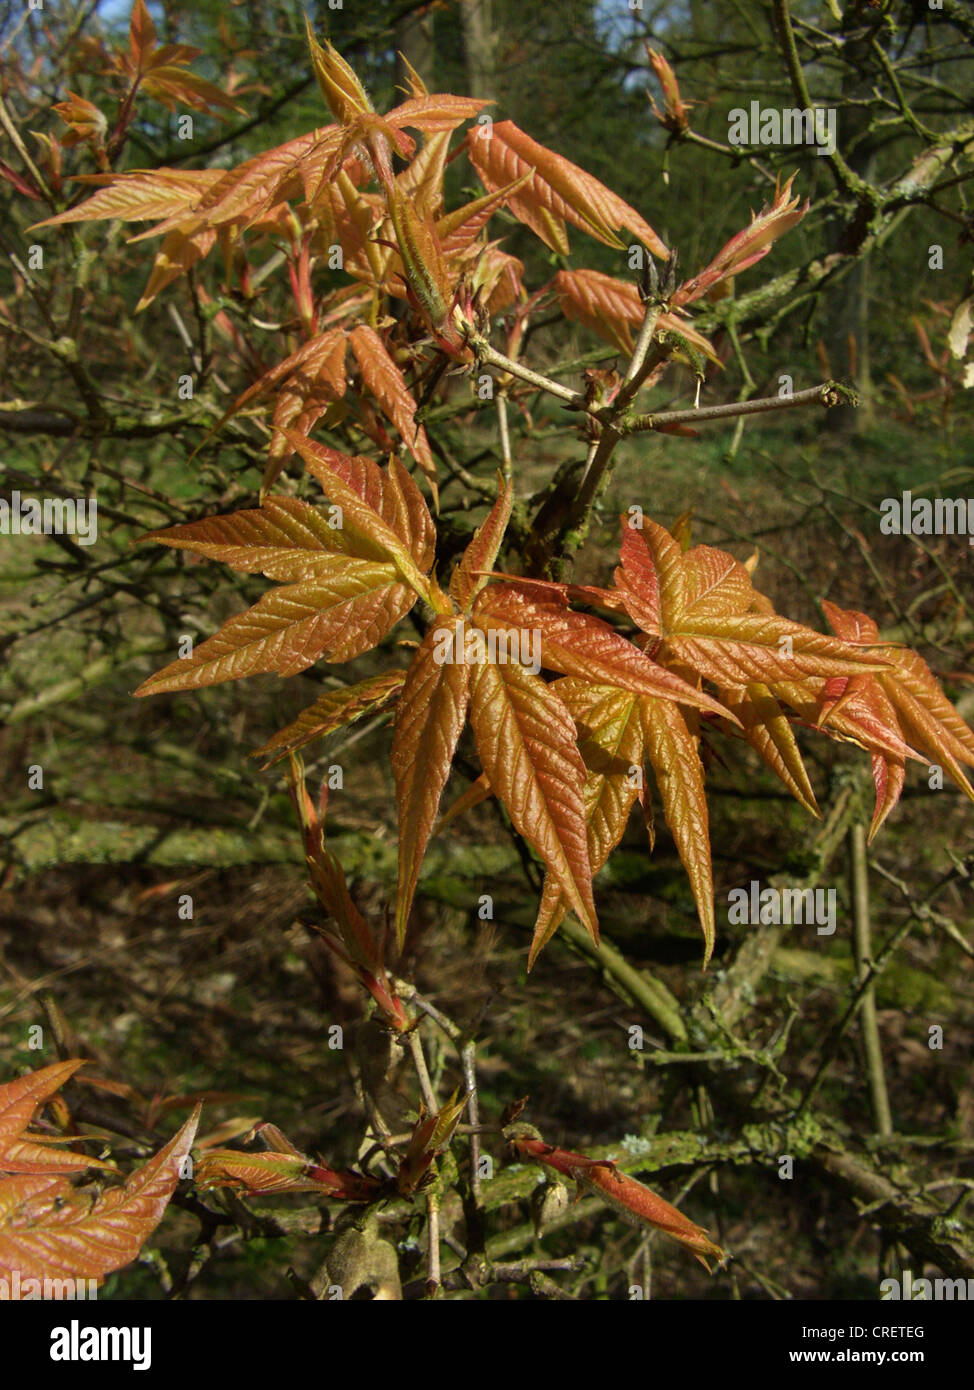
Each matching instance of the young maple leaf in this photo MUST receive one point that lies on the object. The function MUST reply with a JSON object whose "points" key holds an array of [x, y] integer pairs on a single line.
{"points": [[698, 609], [611, 743], [430, 1137], [225, 202], [161, 71], [748, 246], [430, 717], [305, 384], [524, 734], [343, 589], [897, 710], [49, 1229], [560, 191]]}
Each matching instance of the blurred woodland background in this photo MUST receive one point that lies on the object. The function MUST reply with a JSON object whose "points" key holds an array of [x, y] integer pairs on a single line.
{"points": [[144, 801]]}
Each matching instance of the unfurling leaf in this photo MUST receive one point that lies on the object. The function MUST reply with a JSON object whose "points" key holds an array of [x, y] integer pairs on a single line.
{"points": [[331, 711], [478, 559], [627, 1196]]}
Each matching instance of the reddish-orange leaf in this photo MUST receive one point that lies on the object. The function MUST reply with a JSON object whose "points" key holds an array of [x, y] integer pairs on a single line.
{"points": [[386, 382], [385, 510], [174, 85], [139, 196], [430, 716], [889, 776], [30, 1152], [470, 575], [769, 733], [749, 245], [440, 111], [315, 371], [527, 746], [625, 1194], [245, 194], [610, 741], [50, 1230], [459, 229], [286, 539], [142, 34], [178, 252], [704, 626], [927, 719], [579, 644], [560, 191], [671, 745], [612, 309]]}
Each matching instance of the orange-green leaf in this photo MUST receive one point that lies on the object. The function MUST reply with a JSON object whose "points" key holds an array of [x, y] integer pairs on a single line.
{"points": [[430, 1136], [704, 624], [430, 716], [142, 34], [332, 616], [527, 746], [286, 539], [173, 85], [459, 229], [927, 719], [255, 1172], [331, 711], [749, 245], [438, 112], [889, 776], [178, 252], [343, 92], [769, 733], [316, 371], [140, 196]]}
